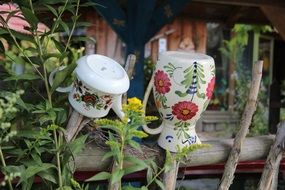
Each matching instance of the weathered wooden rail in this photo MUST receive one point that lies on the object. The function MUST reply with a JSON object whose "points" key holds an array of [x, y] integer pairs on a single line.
{"points": [[254, 148]]}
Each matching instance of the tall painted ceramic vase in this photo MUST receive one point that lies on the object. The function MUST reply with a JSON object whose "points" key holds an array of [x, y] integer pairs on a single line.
{"points": [[183, 86]]}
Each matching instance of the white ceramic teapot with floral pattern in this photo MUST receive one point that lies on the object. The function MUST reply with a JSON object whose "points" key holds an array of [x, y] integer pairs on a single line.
{"points": [[98, 87], [183, 87]]}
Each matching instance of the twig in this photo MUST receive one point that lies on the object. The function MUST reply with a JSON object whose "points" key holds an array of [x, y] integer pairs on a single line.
{"points": [[271, 168], [248, 112], [147, 92], [169, 177], [73, 125], [129, 67]]}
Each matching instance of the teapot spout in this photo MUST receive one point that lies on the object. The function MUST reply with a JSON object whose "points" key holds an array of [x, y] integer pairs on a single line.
{"points": [[117, 106]]}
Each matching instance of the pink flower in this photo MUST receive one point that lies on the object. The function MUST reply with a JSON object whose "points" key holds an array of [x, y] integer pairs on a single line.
{"points": [[184, 110], [161, 82], [210, 88], [18, 22]]}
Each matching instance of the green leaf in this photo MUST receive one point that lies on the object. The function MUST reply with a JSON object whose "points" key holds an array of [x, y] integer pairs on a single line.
{"points": [[44, 118], [58, 45], [135, 160], [22, 104], [108, 155], [144, 188], [64, 26], [14, 169], [135, 145], [64, 188], [48, 175], [100, 176], [149, 175], [52, 10], [25, 76], [133, 169], [61, 117], [77, 145], [27, 185], [117, 175], [33, 170], [14, 58], [30, 17], [160, 184], [62, 75]]}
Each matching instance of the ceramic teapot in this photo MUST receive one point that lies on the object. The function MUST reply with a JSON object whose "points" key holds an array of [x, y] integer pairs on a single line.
{"points": [[183, 86], [98, 87]]}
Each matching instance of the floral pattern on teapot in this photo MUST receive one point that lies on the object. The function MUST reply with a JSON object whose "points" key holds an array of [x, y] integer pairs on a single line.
{"points": [[91, 99], [183, 111]]}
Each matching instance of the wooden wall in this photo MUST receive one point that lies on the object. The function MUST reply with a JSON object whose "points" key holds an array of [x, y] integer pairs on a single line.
{"points": [[182, 34]]}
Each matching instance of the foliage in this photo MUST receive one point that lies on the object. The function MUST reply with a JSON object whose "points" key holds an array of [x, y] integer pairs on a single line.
{"points": [[259, 121], [33, 143], [148, 69], [233, 49], [7, 113], [128, 132]]}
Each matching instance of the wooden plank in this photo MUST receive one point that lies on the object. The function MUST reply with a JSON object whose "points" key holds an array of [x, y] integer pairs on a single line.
{"points": [[175, 38], [111, 42], [186, 41], [101, 27], [276, 15], [254, 3], [200, 36], [254, 148]]}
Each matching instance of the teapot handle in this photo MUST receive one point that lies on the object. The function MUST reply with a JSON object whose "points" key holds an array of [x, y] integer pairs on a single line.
{"points": [[147, 93], [51, 78], [117, 106], [152, 131]]}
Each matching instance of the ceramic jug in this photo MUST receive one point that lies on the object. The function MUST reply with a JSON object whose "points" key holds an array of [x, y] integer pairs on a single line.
{"points": [[98, 87], [182, 88]]}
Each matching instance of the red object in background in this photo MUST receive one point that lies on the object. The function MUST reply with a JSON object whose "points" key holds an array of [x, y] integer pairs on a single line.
{"points": [[18, 22]]}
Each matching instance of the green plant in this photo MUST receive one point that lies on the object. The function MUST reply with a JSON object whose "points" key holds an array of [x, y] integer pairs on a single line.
{"points": [[127, 133], [259, 121], [233, 49], [7, 113], [38, 147]]}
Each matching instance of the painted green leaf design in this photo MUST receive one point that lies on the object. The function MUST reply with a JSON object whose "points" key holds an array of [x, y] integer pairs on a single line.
{"points": [[181, 94]]}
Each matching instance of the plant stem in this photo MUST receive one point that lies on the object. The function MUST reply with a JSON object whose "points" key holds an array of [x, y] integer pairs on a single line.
{"points": [[4, 164], [39, 45], [73, 25], [58, 158], [56, 22], [156, 175], [121, 160], [22, 51]]}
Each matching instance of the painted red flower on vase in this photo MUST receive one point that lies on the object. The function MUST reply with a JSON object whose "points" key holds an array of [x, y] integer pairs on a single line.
{"points": [[184, 110], [161, 82], [210, 88], [90, 99]]}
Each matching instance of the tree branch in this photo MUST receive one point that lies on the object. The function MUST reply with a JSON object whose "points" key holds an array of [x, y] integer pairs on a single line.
{"points": [[248, 112]]}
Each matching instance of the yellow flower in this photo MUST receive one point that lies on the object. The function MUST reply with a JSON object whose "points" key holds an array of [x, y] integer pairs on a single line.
{"points": [[134, 101], [134, 104], [108, 122], [150, 118]]}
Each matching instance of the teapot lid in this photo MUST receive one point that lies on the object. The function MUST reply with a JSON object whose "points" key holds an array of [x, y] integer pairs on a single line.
{"points": [[102, 73]]}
